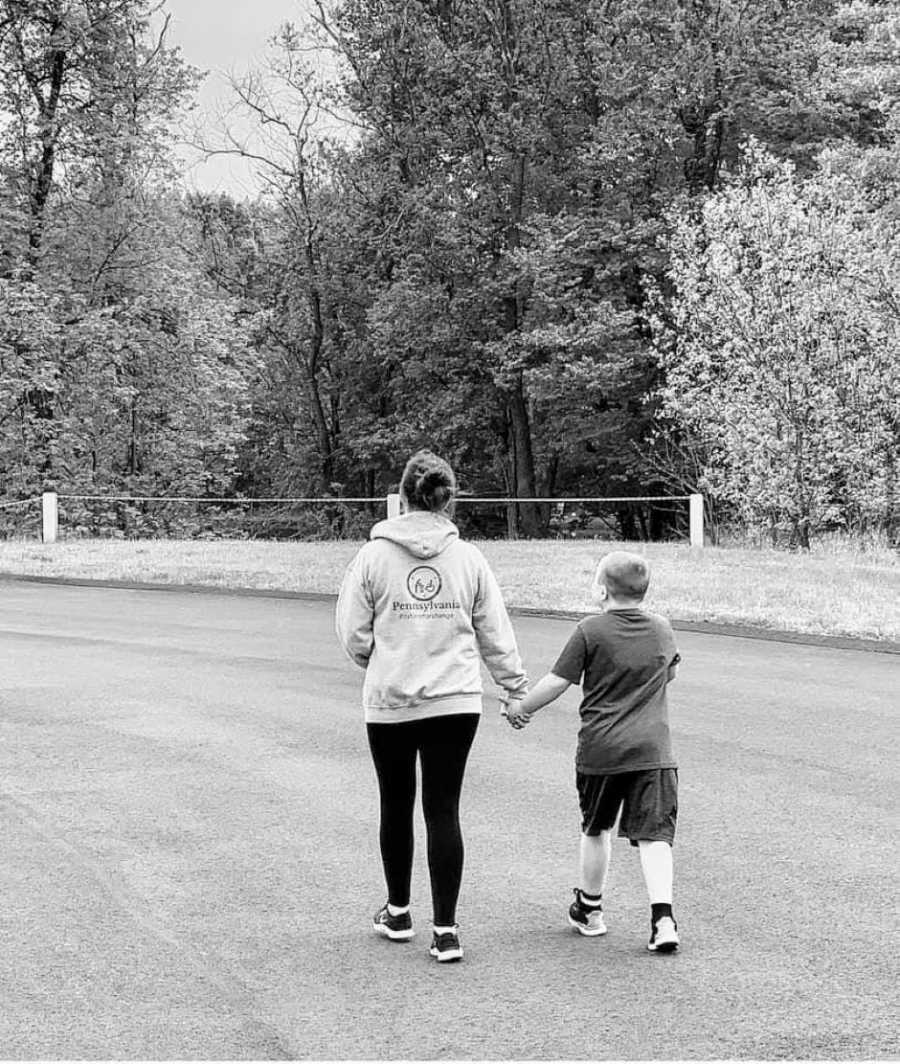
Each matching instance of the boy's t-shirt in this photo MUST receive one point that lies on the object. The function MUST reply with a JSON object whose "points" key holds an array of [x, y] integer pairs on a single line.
{"points": [[621, 659]]}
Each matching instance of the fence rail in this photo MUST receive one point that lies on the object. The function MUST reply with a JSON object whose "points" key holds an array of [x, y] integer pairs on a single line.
{"points": [[50, 504], [573, 498], [213, 499]]}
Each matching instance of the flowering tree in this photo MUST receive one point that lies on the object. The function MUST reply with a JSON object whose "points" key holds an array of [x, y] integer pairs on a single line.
{"points": [[781, 346]]}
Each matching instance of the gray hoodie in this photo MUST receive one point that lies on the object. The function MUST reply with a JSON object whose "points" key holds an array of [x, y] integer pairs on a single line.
{"points": [[419, 609]]}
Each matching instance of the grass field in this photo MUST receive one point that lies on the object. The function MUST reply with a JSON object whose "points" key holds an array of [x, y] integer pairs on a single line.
{"points": [[835, 591]]}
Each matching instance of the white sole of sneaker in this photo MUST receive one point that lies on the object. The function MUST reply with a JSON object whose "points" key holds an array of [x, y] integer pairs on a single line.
{"points": [[394, 936], [447, 955], [669, 946], [589, 932]]}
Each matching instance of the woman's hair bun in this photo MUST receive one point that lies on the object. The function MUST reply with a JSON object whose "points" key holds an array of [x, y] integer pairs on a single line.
{"points": [[428, 482]]}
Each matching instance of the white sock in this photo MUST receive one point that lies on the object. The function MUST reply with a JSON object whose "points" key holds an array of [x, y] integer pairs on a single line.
{"points": [[656, 864], [451, 930], [397, 910]]}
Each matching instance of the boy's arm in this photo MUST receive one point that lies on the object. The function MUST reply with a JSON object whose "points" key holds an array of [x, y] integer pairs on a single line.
{"points": [[568, 669], [545, 691]]}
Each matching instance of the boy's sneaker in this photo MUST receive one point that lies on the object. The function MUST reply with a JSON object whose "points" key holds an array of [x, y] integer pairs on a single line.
{"points": [[664, 938], [397, 928], [445, 946], [586, 919]]}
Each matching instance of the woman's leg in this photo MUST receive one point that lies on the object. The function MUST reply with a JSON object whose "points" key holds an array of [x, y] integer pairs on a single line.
{"points": [[445, 746], [394, 748]]}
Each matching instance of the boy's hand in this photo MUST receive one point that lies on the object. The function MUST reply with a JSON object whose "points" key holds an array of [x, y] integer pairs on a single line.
{"points": [[513, 714], [547, 690], [516, 717]]}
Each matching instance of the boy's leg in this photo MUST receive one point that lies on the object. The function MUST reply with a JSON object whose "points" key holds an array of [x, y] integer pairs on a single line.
{"points": [[600, 800], [595, 852], [656, 864], [586, 912], [649, 814]]}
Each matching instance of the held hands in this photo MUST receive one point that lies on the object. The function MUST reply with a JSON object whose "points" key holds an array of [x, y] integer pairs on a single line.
{"points": [[517, 718], [510, 707], [545, 691]]}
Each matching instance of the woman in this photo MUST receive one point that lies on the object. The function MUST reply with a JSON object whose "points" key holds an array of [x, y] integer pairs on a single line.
{"points": [[418, 608]]}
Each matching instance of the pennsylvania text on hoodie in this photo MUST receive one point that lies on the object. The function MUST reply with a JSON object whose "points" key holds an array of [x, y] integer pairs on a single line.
{"points": [[419, 609]]}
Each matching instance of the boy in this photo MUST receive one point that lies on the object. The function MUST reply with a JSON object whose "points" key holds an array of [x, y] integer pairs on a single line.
{"points": [[624, 658]]}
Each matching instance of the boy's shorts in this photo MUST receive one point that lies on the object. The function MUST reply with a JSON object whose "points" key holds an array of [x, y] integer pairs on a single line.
{"points": [[648, 800]]}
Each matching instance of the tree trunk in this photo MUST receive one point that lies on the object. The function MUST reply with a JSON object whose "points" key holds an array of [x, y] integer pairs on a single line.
{"points": [[512, 517], [42, 179], [316, 342], [527, 516], [701, 168], [891, 518], [800, 533], [323, 431], [627, 526], [132, 443], [41, 176], [529, 521]]}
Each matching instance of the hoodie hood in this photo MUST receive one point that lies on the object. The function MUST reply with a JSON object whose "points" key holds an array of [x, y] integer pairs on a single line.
{"points": [[422, 533]]}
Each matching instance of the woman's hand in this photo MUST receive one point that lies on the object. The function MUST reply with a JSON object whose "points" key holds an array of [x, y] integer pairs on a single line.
{"points": [[510, 707], [517, 718]]}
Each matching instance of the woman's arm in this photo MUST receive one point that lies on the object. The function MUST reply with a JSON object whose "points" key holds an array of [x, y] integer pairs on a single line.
{"points": [[494, 632], [355, 614]]}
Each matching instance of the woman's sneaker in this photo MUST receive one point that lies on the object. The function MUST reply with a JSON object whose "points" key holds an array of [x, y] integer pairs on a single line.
{"points": [[586, 919], [397, 928], [445, 946], [664, 938]]}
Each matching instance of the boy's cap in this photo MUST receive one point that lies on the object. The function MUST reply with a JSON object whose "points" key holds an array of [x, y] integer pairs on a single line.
{"points": [[625, 575]]}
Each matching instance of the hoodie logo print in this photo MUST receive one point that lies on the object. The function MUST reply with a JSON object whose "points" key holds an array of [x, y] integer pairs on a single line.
{"points": [[423, 583]]}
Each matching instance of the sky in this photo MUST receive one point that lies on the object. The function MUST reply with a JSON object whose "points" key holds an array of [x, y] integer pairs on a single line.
{"points": [[225, 37]]}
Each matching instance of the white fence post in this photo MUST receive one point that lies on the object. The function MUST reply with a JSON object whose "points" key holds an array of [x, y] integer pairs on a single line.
{"points": [[393, 505], [696, 520], [50, 516]]}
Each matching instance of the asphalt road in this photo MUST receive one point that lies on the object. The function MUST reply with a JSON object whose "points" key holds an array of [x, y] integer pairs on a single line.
{"points": [[188, 855]]}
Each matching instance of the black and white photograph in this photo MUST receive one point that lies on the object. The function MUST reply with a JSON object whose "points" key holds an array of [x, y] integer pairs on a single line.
{"points": [[449, 530]]}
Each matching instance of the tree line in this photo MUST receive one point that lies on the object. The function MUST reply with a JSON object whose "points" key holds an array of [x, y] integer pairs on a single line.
{"points": [[580, 247]]}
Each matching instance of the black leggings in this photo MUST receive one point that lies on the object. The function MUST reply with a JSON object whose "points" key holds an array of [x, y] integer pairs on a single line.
{"points": [[443, 744]]}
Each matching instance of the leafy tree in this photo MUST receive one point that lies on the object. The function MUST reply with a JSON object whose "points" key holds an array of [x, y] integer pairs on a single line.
{"points": [[781, 355], [290, 295], [523, 155], [469, 269], [85, 94], [123, 369], [467, 114]]}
